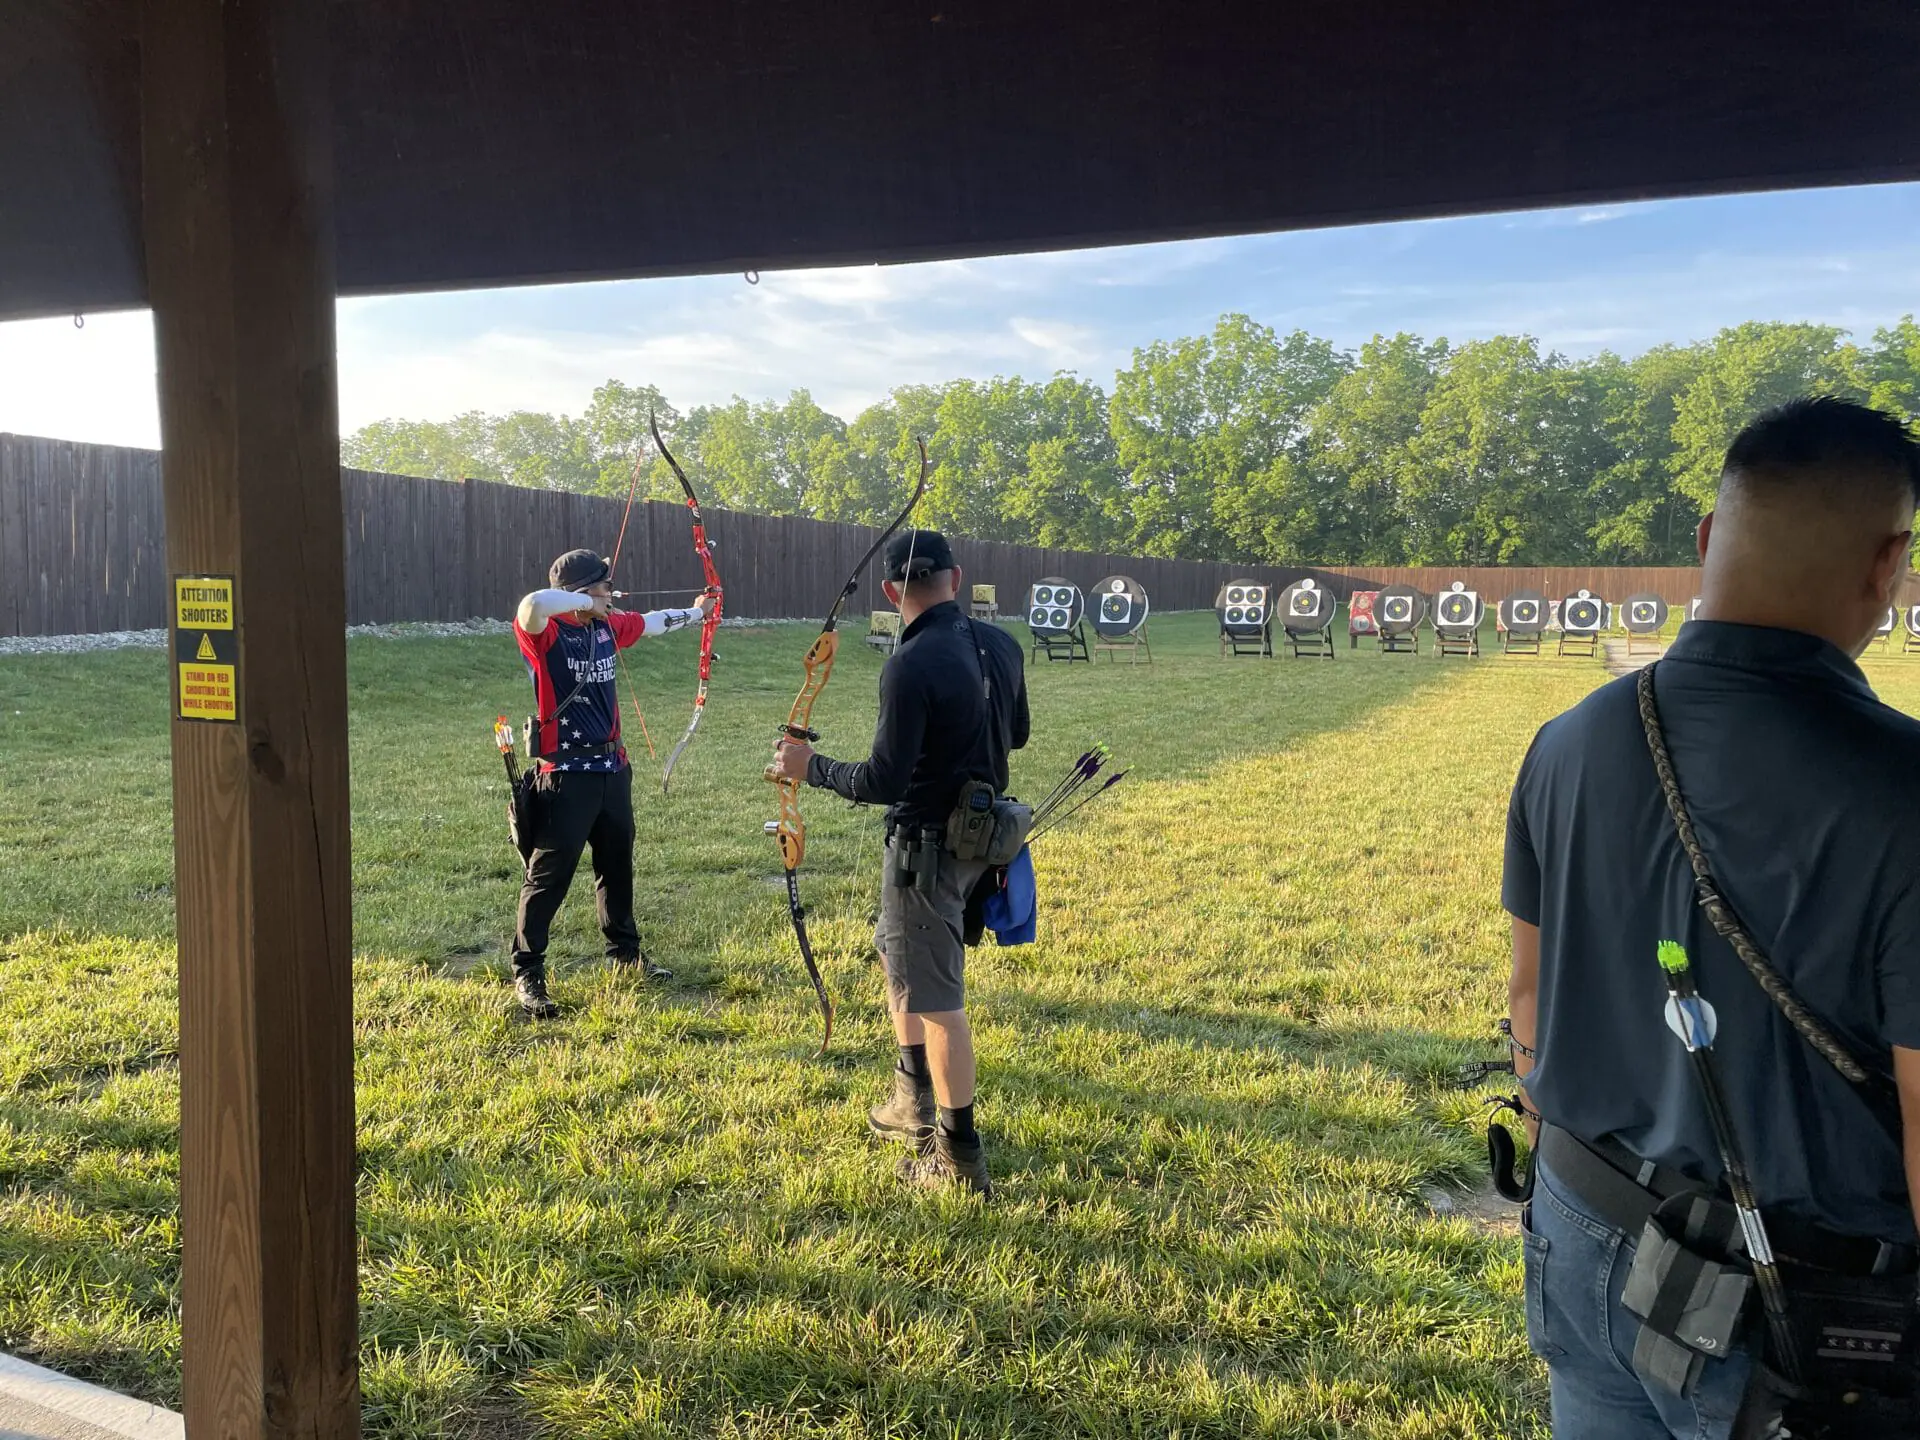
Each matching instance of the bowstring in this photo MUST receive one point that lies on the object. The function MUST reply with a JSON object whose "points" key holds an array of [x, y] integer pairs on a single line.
{"points": [[854, 890], [619, 657]]}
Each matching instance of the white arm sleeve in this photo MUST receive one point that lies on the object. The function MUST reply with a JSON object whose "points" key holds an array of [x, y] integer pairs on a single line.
{"points": [[661, 621], [542, 605]]}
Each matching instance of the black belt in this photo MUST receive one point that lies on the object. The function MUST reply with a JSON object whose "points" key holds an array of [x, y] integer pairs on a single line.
{"points": [[1624, 1190]]}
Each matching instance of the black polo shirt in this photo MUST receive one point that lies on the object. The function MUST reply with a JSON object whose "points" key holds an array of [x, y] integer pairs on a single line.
{"points": [[1805, 792], [953, 704]]}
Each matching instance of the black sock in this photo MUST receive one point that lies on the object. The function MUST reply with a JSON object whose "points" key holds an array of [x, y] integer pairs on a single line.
{"points": [[958, 1123], [913, 1064]]}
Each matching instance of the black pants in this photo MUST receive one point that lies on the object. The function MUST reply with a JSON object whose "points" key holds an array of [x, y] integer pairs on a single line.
{"points": [[577, 809]]}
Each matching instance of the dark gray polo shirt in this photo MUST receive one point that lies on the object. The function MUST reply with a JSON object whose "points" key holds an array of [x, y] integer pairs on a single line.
{"points": [[1805, 792]]}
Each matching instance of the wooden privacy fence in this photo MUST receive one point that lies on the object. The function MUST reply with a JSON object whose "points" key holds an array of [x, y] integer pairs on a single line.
{"points": [[83, 549]]}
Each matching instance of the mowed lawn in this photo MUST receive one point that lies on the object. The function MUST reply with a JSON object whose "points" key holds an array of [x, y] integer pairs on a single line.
{"points": [[1216, 1092]]}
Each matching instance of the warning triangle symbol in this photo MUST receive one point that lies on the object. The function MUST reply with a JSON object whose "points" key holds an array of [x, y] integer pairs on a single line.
{"points": [[205, 652]]}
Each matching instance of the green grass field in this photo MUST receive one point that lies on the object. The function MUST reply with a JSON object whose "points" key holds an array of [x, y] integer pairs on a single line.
{"points": [[1215, 1092]]}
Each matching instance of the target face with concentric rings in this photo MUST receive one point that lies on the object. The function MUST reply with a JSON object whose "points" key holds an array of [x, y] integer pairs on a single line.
{"points": [[1644, 613], [1887, 622], [1399, 608], [1458, 610], [1583, 614], [1054, 605], [1120, 607], [1524, 612], [1308, 606], [1242, 606]]}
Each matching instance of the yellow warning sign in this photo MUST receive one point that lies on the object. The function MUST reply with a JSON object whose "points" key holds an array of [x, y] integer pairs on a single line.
{"points": [[207, 693], [202, 602], [206, 648]]}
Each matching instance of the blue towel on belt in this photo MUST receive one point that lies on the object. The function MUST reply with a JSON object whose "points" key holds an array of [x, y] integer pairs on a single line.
{"points": [[1013, 911]]}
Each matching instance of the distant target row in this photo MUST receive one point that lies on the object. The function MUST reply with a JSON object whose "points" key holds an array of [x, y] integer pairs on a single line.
{"points": [[1393, 616]]}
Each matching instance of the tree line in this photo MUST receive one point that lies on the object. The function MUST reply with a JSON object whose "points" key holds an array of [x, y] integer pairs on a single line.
{"points": [[1244, 444]]}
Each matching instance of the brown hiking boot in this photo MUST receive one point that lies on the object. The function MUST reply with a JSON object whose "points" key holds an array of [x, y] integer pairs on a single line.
{"points": [[908, 1116], [948, 1162]]}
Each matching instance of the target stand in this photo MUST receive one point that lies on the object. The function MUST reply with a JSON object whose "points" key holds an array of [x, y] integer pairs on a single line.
{"points": [[1245, 610], [1120, 619], [1069, 645], [1582, 617], [1307, 610]]}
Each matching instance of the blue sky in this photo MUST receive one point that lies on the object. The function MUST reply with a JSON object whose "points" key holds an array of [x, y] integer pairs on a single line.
{"points": [[1620, 277]]}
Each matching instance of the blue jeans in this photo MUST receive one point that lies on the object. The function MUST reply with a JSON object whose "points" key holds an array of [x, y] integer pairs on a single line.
{"points": [[1576, 1267]]}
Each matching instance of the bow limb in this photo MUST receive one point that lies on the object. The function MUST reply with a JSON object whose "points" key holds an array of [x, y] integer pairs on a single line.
{"points": [[704, 549], [790, 830]]}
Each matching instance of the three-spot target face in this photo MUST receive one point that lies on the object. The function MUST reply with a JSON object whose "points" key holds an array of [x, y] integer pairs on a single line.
{"points": [[1306, 607], [1458, 608], [1583, 614], [1242, 607], [1524, 612], [1399, 609], [1054, 606], [1119, 607], [1644, 614]]}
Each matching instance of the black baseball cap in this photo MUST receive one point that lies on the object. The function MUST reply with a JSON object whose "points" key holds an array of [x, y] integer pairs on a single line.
{"points": [[578, 569], [928, 549]]}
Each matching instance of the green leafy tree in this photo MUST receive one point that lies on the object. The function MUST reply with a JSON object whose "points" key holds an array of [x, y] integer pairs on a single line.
{"points": [[1745, 370], [1196, 420]]}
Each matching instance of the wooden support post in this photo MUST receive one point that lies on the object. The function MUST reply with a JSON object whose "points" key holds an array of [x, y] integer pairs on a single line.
{"points": [[237, 175]]}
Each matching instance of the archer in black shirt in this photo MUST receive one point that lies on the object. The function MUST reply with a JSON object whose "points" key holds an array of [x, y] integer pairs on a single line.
{"points": [[953, 705]]}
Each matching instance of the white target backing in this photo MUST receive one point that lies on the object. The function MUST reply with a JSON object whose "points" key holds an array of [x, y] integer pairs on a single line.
{"points": [[1054, 606], [1583, 614]]}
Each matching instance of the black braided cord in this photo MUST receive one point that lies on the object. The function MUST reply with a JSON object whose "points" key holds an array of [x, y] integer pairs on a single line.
{"points": [[1720, 914]]}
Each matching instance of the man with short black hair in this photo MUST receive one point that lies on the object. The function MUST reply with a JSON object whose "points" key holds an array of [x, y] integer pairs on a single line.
{"points": [[568, 635], [1803, 790], [953, 705]]}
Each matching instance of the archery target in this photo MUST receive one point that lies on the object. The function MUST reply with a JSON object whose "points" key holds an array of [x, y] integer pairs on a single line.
{"points": [[1644, 614], [1583, 614], [1360, 612], [1524, 612], [1307, 606], [1913, 619], [1693, 608], [1242, 606], [1457, 609], [1120, 607], [1887, 622], [1054, 606], [1399, 609]]}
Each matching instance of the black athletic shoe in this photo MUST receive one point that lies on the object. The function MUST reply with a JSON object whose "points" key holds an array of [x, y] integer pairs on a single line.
{"points": [[641, 965], [530, 989]]}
